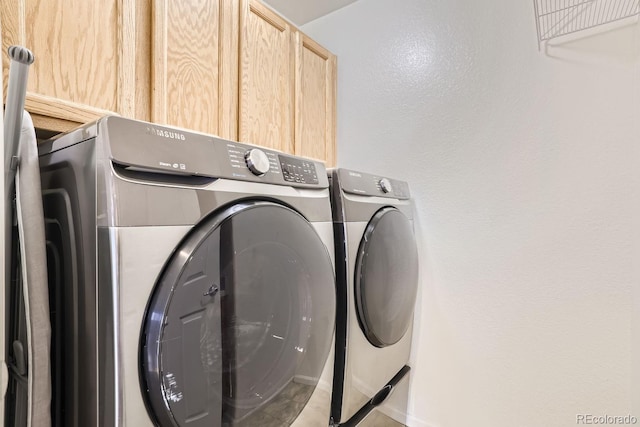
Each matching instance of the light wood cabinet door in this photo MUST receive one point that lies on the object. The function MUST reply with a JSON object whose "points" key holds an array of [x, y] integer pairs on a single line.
{"points": [[185, 64], [266, 75], [315, 100], [85, 55]]}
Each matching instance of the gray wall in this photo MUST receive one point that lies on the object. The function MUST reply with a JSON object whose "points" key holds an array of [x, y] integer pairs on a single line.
{"points": [[525, 167]]}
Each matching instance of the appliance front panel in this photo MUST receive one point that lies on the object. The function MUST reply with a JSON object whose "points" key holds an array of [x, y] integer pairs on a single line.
{"points": [[130, 261], [367, 367], [241, 321], [171, 203]]}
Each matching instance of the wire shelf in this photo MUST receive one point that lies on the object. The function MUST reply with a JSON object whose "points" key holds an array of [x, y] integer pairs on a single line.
{"points": [[560, 17]]}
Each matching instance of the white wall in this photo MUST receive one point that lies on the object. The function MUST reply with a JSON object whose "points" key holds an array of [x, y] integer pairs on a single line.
{"points": [[525, 170]]}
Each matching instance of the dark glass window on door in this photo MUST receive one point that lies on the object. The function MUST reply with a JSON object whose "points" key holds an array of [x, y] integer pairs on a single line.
{"points": [[386, 277], [241, 322]]}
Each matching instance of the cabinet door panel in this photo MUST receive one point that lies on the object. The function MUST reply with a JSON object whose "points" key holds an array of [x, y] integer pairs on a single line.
{"points": [[315, 101], [186, 64], [86, 58], [265, 78], [81, 69]]}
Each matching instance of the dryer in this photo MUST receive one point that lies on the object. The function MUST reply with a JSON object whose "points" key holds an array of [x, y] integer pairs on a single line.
{"points": [[191, 280], [377, 282]]}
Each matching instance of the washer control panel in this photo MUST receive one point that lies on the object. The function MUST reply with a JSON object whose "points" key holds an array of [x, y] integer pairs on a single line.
{"points": [[295, 169], [273, 167], [162, 149], [258, 161]]}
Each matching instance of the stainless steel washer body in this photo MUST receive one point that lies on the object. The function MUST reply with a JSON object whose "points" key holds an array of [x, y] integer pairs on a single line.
{"points": [[191, 284]]}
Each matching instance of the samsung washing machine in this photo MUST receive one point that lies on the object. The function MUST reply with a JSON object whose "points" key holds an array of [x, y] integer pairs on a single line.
{"points": [[377, 281], [191, 280]]}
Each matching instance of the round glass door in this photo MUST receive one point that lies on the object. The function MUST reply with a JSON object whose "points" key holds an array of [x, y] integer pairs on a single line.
{"points": [[241, 322], [386, 277]]}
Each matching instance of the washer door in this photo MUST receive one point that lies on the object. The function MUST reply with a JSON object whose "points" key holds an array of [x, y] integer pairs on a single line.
{"points": [[386, 277], [241, 321]]}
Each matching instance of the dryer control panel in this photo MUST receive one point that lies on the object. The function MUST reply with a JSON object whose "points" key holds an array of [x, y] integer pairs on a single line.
{"points": [[372, 185]]}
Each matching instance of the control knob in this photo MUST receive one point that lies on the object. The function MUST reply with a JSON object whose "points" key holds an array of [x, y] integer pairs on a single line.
{"points": [[257, 161], [385, 185]]}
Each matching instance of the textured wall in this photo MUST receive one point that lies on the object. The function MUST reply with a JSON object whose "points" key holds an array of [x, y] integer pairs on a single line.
{"points": [[525, 169]]}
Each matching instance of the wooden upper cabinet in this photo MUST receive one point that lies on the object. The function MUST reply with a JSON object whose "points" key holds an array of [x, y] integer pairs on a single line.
{"points": [[185, 64], [266, 75], [315, 100], [85, 55], [232, 68]]}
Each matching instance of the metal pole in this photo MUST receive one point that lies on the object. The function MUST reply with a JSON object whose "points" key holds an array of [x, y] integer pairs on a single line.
{"points": [[21, 58]]}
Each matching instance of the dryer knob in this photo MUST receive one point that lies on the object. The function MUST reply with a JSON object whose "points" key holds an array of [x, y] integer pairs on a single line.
{"points": [[257, 161], [385, 185]]}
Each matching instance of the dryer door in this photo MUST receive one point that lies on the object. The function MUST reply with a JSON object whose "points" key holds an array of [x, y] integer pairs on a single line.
{"points": [[241, 321], [386, 277]]}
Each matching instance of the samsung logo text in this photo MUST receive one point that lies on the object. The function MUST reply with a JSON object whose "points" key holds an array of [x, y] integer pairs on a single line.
{"points": [[166, 133]]}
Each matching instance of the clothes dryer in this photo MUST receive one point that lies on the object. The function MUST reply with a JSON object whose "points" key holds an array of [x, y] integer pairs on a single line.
{"points": [[191, 280], [377, 282]]}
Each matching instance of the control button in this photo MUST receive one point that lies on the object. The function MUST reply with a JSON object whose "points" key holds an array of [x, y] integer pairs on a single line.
{"points": [[257, 161], [385, 185]]}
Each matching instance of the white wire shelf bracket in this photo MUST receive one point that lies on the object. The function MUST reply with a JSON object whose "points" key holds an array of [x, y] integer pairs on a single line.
{"points": [[560, 17]]}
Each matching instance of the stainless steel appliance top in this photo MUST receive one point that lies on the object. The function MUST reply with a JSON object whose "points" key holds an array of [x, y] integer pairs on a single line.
{"points": [[357, 196], [147, 147], [366, 184]]}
